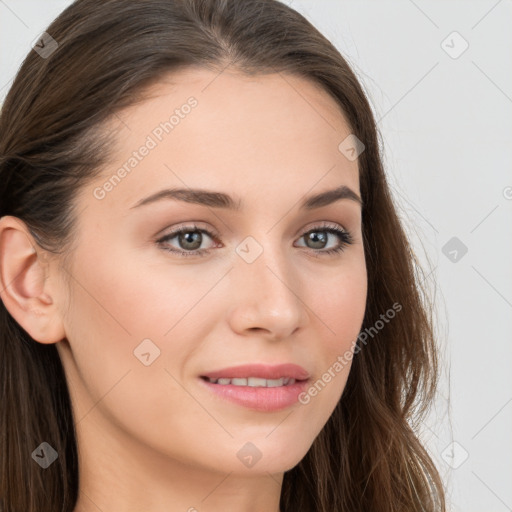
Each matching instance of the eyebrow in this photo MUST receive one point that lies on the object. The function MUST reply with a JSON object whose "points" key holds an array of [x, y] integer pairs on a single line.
{"points": [[221, 200]]}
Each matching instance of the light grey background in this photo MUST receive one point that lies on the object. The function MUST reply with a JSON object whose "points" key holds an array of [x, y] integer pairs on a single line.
{"points": [[446, 124]]}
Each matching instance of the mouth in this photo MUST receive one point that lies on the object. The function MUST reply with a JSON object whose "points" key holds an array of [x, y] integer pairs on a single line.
{"points": [[261, 387], [256, 393], [253, 382], [255, 374]]}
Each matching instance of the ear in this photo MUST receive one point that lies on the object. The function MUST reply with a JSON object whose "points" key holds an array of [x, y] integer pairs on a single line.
{"points": [[24, 288]]}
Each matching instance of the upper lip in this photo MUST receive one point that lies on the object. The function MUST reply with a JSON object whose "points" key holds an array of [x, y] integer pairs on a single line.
{"points": [[264, 371]]}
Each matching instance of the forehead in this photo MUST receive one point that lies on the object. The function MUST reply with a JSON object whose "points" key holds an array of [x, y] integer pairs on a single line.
{"points": [[275, 132]]}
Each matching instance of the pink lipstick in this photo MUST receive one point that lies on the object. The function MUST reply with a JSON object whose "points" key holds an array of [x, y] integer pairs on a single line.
{"points": [[259, 387]]}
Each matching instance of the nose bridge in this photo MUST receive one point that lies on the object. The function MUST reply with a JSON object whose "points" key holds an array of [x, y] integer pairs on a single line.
{"points": [[268, 297]]}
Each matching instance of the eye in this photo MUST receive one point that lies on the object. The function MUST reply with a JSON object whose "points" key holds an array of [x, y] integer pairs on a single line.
{"points": [[190, 239], [318, 238]]}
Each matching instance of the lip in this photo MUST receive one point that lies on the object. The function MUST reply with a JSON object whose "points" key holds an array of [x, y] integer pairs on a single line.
{"points": [[261, 399], [263, 371]]}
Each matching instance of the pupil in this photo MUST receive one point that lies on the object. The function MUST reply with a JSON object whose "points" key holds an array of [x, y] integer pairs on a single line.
{"points": [[188, 238], [315, 239]]}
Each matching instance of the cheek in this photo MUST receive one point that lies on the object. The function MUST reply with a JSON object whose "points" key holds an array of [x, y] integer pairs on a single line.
{"points": [[343, 307], [113, 308], [339, 308], [338, 299], [121, 302], [128, 297]]}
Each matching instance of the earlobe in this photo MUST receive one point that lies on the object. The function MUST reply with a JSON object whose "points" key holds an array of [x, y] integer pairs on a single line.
{"points": [[24, 288]]}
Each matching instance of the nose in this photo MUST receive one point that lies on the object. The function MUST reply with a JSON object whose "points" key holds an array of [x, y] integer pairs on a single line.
{"points": [[267, 297]]}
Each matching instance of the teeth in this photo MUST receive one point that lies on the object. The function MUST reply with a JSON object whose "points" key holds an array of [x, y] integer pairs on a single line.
{"points": [[273, 383], [254, 382]]}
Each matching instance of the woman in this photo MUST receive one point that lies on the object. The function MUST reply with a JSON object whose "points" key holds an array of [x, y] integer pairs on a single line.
{"points": [[208, 300]]}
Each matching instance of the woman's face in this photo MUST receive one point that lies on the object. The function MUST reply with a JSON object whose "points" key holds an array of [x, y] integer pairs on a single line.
{"points": [[144, 323]]}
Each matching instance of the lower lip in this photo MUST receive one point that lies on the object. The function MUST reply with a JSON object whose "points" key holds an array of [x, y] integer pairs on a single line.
{"points": [[259, 398]]}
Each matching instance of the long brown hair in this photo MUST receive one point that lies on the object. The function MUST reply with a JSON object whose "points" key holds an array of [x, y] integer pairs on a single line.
{"points": [[368, 457]]}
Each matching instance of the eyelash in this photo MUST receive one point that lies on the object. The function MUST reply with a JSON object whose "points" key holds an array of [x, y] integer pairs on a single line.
{"points": [[344, 235]]}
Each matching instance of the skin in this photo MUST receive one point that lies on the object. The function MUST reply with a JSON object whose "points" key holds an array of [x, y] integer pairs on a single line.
{"points": [[152, 437]]}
